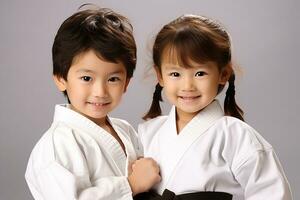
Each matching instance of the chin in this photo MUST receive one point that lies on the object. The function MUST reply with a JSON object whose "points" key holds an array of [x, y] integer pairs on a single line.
{"points": [[99, 116], [190, 111], [95, 115]]}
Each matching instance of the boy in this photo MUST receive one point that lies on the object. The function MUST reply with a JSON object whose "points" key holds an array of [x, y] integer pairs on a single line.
{"points": [[85, 154]]}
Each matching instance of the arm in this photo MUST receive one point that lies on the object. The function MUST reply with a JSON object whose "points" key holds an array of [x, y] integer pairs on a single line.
{"points": [[144, 172], [136, 141], [262, 177], [65, 166], [56, 182], [254, 163]]}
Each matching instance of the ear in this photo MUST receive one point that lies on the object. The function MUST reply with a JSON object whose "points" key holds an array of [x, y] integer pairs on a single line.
{"points": [[159, 76], [60, 82], [225, 74], [126, 84]]}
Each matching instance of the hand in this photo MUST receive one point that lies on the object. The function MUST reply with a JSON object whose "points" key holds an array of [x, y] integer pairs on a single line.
{"points": [[145, 174], [130, 165]]}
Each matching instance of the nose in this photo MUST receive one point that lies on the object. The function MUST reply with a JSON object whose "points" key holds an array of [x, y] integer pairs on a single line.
{"points": [[187, 84], [99, 89]]}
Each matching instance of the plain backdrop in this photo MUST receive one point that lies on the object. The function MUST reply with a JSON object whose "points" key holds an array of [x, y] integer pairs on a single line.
{"points": [[265, 36]]}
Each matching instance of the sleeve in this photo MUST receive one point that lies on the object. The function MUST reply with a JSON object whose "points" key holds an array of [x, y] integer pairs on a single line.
{"points": [[255, 164], [68, 177], [56, 182], [135, 140], [262, 177], [141, 133]]}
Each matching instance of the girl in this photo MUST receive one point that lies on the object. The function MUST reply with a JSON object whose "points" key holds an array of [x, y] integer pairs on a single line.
{"points": [[203, 152]]}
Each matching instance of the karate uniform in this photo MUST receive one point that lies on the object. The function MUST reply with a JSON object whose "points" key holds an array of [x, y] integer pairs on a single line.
{"points": [[214, 152], [77, 159]]}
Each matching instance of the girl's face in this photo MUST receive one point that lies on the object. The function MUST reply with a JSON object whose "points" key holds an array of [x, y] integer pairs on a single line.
{"points": [[190, 89], [94, 86]]}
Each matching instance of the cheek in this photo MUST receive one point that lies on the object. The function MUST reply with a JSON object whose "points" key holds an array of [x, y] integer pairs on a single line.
{"points": [[209, 87], [77, 90], [117, 92], [214, 88], [169, 88]]}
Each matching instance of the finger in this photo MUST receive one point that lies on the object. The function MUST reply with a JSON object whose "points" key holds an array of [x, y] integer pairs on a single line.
{"points": [[158, 179], [133, 166]]}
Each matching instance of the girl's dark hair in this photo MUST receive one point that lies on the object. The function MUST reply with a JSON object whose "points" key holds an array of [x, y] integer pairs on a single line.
{"points": [[107, 33], [201, 40]]}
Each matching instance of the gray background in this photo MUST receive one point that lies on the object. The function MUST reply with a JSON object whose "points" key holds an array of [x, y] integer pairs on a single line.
{"points": [[266, 46]]}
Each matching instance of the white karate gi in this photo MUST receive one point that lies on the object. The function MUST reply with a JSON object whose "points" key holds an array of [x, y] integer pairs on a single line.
{"points": [[214, 152], [77, 159]]}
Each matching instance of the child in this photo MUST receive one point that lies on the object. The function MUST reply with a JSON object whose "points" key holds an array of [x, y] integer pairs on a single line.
{"points": [[86, 154], [202, 152]]}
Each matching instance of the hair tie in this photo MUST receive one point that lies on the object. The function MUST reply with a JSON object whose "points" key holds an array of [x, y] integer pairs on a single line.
{"points": [[230, 90], [157, 92]]}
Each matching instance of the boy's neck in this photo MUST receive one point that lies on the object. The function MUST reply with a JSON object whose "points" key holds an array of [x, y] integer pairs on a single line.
{"points": [[103, 122], [106, 125], [109, 128]]}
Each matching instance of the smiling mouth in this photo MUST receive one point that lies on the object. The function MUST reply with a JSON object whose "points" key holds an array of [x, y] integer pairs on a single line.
{"points": [[98, 104], [189, 97]]}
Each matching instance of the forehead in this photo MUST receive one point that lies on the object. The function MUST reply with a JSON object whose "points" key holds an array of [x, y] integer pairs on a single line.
{"points": [[171, 56], [89, 60]]}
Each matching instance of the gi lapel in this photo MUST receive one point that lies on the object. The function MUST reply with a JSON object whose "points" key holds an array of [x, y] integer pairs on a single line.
{"points": [[171, 147], [107, 144]]}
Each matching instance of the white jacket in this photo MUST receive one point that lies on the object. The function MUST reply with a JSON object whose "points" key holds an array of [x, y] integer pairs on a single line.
{"points": [[214, 152], [77, 159]]}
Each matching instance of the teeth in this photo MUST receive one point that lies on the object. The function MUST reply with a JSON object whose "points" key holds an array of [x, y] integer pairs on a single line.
{"points": [[98, 104], [188, 97]]}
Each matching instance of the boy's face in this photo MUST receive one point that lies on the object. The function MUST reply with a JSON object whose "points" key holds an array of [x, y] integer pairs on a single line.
{"points": [[94, 86]]}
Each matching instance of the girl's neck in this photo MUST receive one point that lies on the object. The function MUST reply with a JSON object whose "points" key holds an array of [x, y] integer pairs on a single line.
{"points": [[182, 119]]}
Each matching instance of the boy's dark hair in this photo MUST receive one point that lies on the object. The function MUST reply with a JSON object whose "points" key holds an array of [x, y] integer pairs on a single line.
{"points": [[107, 33]]}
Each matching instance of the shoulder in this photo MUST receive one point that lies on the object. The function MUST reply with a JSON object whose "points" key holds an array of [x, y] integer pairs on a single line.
{"points": [[241, 141], [153, 124], [43, 153], [124, 127], [121, 123], [148, 129], [57, 154], [61, 144], [241, 132]]}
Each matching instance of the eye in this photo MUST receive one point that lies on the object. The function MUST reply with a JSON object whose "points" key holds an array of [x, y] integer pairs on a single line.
{"points": [[86, 78], [200, 73], [174, 74], [114, 79]]}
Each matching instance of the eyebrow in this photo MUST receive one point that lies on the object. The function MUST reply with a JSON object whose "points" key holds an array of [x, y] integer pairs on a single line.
{"points": [[91, 71], [85, 70], [172, 67], [117, 72], [176, 67]]}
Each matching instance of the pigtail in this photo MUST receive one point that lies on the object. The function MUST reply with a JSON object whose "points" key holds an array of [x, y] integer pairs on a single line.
{"points": [[155, 109], [230, 106]]}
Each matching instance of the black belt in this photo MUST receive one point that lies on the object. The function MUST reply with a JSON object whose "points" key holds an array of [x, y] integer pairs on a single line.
{"points": [[169, 195]]}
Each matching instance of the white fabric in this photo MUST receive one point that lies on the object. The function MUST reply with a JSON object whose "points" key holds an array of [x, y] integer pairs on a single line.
{"points": [[77, 159], [214, 152]]}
